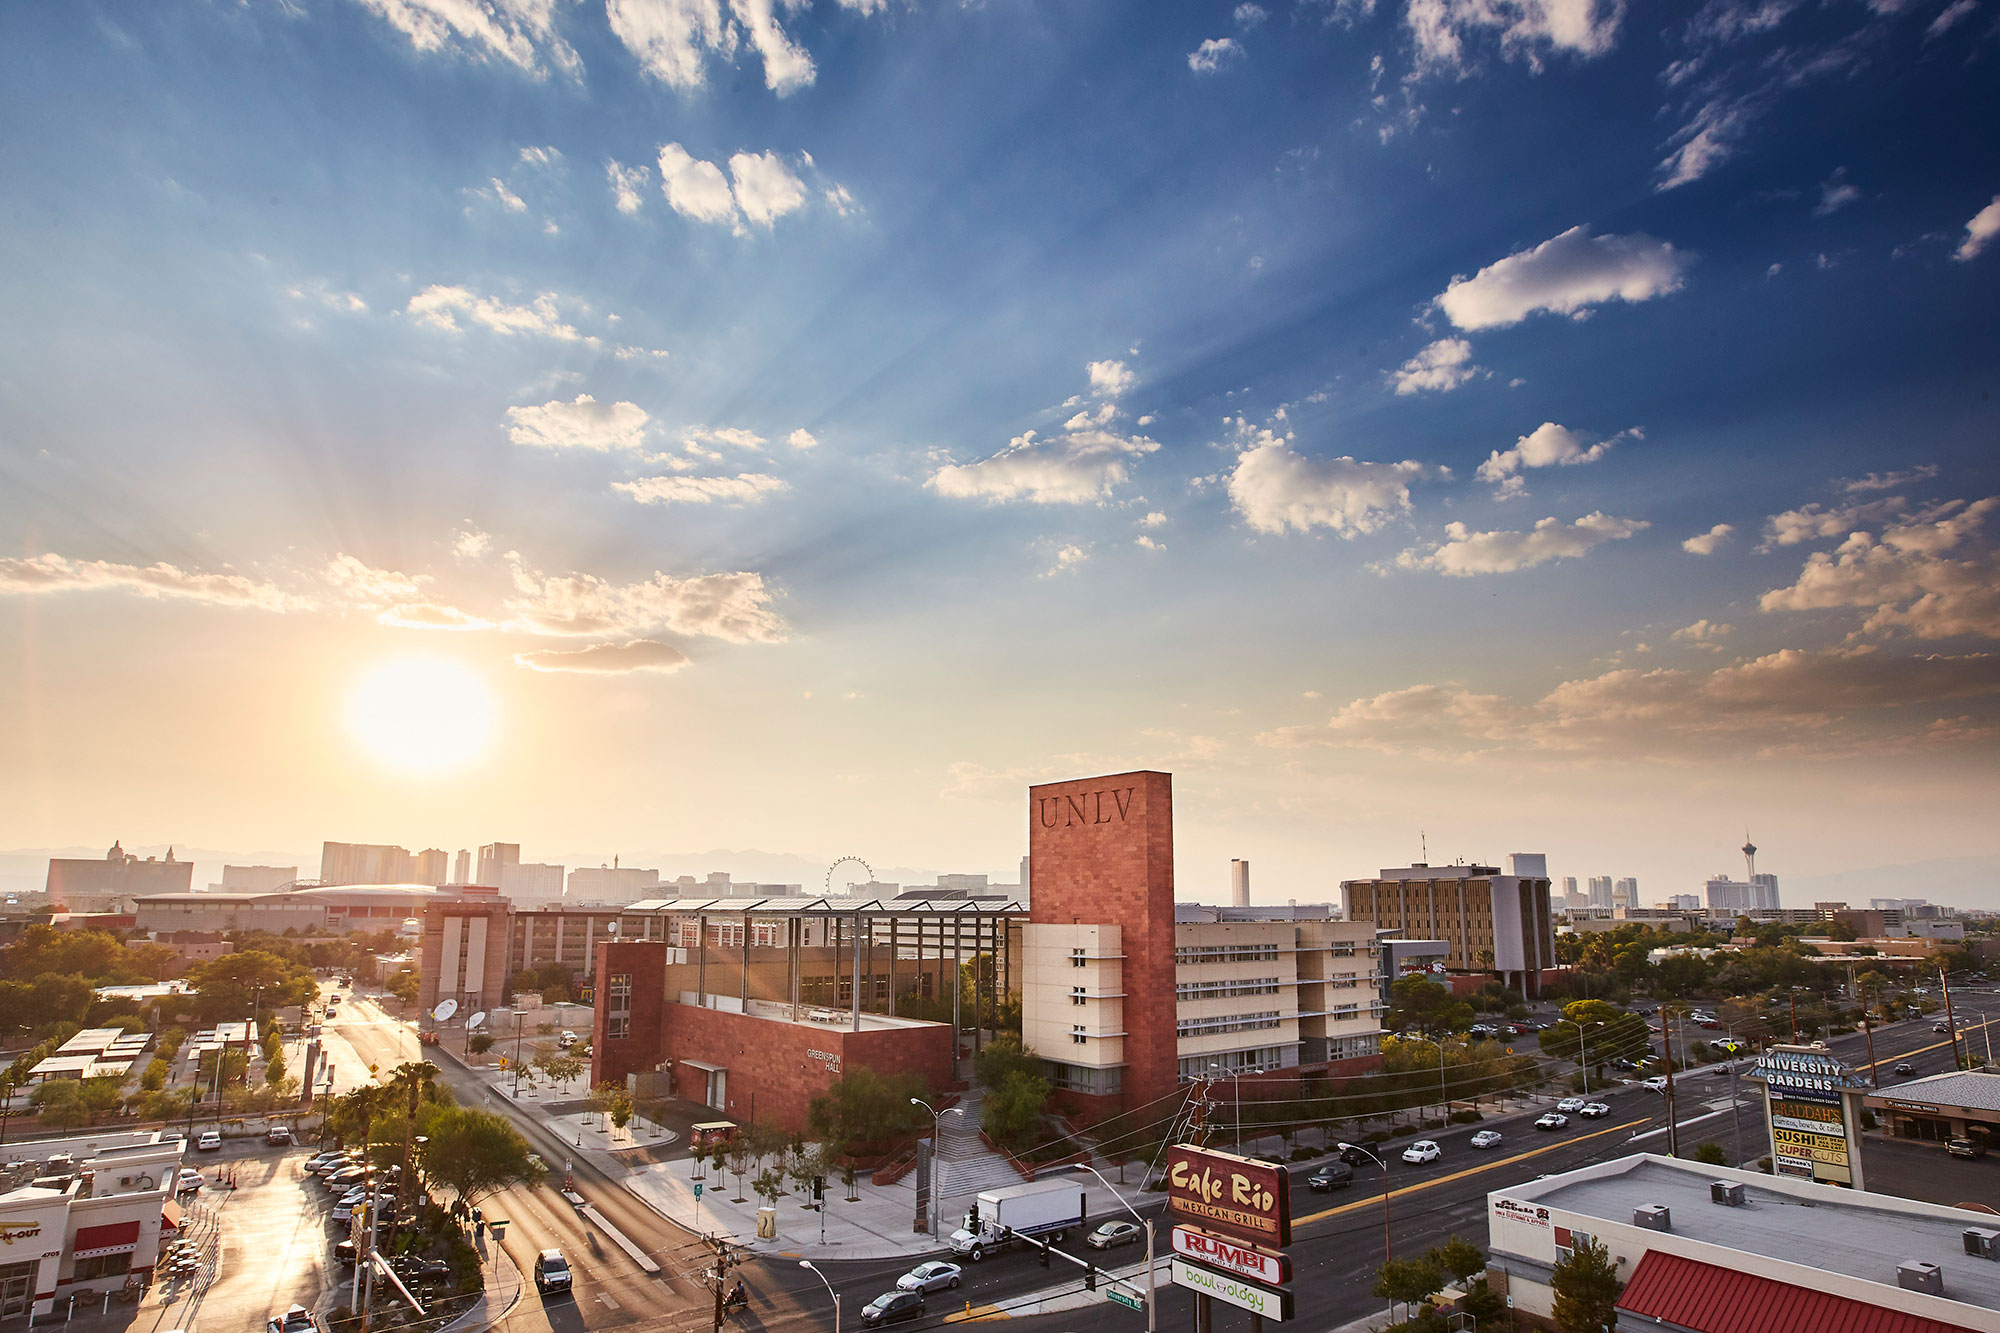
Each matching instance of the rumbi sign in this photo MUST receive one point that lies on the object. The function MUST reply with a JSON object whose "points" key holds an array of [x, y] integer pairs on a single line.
{"points": [[1220, 1191], [1273, 1270]]}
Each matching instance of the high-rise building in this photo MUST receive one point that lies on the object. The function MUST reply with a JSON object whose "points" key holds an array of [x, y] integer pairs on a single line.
{"points": [[1600, 890], [1764, 891], [1494, 923], [1239, 883], [365, 863], [1625, 893], [531, 881], [1569, 886], [495, 855], [82, 884], [461, 870], [255, 879], [1684, 902], [433, 866], [612, 884]]}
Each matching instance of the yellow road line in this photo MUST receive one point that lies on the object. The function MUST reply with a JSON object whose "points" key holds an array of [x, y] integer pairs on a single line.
{"points": [[973, 1314], [1374, 1200]]}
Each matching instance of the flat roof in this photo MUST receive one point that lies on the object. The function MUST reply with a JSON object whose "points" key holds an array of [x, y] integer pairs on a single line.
{"points": [[802, 905], [1970, 1090], [1859, 1235], [824, 1017]]}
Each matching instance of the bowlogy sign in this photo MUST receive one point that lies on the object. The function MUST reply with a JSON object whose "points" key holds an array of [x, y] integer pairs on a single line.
{"points": [[1220, 1191], [1273, 1270], [1273, 1305]]}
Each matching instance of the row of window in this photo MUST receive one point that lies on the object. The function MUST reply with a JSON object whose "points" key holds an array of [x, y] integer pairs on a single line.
{"points": [[1203, 1027], [1253, 1061], [1210, 990], [1227, 953]]}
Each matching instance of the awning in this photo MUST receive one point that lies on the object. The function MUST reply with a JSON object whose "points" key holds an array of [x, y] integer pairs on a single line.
{"points": [[705, 1065], [170, 1216], [1708, 1298], [112, 1238]]}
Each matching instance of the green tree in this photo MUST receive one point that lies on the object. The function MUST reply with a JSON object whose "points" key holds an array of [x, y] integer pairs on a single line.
{"points": [[1408, 1281], [1487, 1307], [59, 1103], [274, 1071], [1709, 1154], [865, 1105], [156, 1075], [473, 1153], [1005, 1055], [403, 985], [228, 988], [1458, 1257], [1592, 1032], [1421, 1004], [1013, 1111], [479, 1043], [1586, 1289]]}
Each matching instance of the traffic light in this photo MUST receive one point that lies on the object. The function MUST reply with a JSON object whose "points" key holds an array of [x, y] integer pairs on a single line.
{"points": [[1090, 1277], [1044, 1248], [972, 1217], [819, 1188]]}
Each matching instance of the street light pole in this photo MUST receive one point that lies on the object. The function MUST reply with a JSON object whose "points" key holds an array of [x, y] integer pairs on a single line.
{"points": [[937, 1132], [1152, 1290], [807, 1263]]}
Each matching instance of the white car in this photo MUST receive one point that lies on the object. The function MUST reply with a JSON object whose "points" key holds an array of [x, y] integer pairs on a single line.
{"points": [[210, 1141], [934, 1276], [1570, 1105], [1595, 1110], [1657, 1083], [1553, 1120], [1486, 1138], [1423, 1150], [190, 1179]]}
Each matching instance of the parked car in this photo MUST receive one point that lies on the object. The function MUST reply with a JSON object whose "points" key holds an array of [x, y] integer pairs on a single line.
{"points": [[1570, 1104], [277, 1136], [551, 1272], [210, 1141], [1905, 1067], [1657, 1083], [345, 1178], [1594, 1110], [1105, 1237], [1553, 1120], [1486, 1138], [190, 1179], [1706, 1022], [1330, 1176], [1482, 1030], [1355, 1156], [934, 1276], [1624, 1062], [1423, 1150], [332, 1162], [892, 1307], [344, 1253], [1965, 1148], [298, 1319]]}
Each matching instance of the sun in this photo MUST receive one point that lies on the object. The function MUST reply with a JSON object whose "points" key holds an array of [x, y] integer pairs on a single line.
{"points": [[421, 714]]}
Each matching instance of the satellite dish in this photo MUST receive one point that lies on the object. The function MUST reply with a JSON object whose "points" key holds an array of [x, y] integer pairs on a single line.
{"points": [[475, 1020], [445, 1009]]}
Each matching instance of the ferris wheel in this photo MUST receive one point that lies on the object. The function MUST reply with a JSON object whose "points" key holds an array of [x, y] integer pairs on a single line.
{"points": [[848, 860]]}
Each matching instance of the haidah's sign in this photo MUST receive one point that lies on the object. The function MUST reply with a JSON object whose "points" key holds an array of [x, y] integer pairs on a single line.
{"points": [[1273, 1270], [1219, 1191]]}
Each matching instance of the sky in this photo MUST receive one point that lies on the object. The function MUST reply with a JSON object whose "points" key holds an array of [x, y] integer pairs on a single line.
{"points": [[1472, 426]]}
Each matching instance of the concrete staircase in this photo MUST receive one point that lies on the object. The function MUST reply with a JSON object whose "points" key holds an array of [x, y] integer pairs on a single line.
{"points": [[965, 1165]]}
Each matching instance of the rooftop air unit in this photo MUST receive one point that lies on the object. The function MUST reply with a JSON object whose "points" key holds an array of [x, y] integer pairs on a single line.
{"points": [[1982, 1243], [1728, 1192], [1653, 1217], [1916, 1275]]}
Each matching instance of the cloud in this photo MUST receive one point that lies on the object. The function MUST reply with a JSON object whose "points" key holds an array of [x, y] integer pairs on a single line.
{"points": [[1948, 18], [802, 439], [319, 292], [471, 544], [1817, 522], [1147, 543], [1985, 225], [441, 307], [1249, 16], [582, 424], [1933, 576], [766, 189], [1113, 379], [1075, 467], [1836, 193], [1443, 366], [1889, 481], [1441, 30], [673, 39], [1704, 143], [1210, 55], [628, 185], [430, 615], [733, 436], [1566, 274], [505, 197], [1276, 490], [1790, 699], [1708, 543], [48, 574], [520, 32], [747, 488], [1154, 520], [606, 658], [1066, 560], [1549, 445], [694, 188], [365, 586], [734, 607], [1704, 633], [1466, 553]]}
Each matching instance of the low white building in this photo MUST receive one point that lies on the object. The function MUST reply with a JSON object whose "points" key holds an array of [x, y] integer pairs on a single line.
{"points": [[80, 1214]]}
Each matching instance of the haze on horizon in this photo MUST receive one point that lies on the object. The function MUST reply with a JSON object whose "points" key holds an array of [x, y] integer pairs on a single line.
{"points": [[596, 427]]}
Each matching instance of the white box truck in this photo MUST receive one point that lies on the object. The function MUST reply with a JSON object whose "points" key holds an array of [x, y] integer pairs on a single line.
{"points": [[1045, 1209]]}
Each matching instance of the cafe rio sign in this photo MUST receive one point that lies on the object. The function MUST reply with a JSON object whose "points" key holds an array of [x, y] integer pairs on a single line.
{"points": [[1236, 1196]]}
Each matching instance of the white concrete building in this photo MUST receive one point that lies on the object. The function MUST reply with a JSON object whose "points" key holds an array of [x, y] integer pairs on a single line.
{"points": [[80, 1214]]}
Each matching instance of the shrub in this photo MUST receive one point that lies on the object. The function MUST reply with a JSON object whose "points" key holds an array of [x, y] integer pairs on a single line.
{"points": [[1305, 1154], [1466, 1117]]}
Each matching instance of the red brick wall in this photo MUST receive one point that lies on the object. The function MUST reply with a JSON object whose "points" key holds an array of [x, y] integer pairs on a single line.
{"points": [[1101, 850], [646, 960]]}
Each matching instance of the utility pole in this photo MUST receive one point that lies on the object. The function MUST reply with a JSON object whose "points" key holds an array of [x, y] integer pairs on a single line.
{"points": [[1792, 995], [722, 1266], [1944, 981], [1868, 1031], [1673, 1121]]}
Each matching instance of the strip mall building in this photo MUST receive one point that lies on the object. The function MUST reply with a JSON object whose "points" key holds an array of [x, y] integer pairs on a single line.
{"points": [[754, 1006]]}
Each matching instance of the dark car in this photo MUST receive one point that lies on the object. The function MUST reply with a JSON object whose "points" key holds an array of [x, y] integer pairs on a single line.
{"points": [[1332, 1176], [892, 1307], [552, 1272], [344, 1253], [1355, 1156]]}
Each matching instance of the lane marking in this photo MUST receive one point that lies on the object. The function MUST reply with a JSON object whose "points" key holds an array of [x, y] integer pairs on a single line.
{"points": [[1375, 1200], [637, 1255]]}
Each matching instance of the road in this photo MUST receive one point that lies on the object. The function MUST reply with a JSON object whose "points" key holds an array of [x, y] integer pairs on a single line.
{"points": [[1337, 1244]]}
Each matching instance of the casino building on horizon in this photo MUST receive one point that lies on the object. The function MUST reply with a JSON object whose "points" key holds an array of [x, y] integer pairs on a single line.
{"points": [[752, 1006]]}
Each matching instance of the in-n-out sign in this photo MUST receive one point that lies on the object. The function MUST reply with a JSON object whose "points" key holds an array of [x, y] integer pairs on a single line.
{"points": [[1273, 1270]]}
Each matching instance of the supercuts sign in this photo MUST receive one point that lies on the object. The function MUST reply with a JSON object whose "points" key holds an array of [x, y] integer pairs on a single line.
{"points": [[1220, 1191], [1273, 1270]]}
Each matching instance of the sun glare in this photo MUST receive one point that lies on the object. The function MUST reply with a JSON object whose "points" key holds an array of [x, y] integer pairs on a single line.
{"points": [[421, 714]]}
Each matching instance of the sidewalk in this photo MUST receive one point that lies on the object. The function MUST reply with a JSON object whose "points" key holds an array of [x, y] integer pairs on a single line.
{"points": [[504, 1285]]}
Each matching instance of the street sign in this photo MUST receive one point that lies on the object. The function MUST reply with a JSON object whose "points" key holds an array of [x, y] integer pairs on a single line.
{"points": [[1126, 1299], [697, 1189]]}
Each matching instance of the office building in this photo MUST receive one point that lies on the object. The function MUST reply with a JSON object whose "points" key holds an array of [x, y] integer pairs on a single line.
{"points": [[84, 884], [433, 867], [1625, 893], [493, 857], [461, 867], [1239, 883], [531, 881], [1569, 889], [612, 884], [1498, 925], [1600, 891], [1710, 1249], [255, 879], [1683, 902], [342, 908], [365, 863]]}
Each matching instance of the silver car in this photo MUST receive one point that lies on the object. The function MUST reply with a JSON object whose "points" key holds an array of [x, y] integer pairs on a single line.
{"points": [[1114, 1234], [934, 1276]]}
